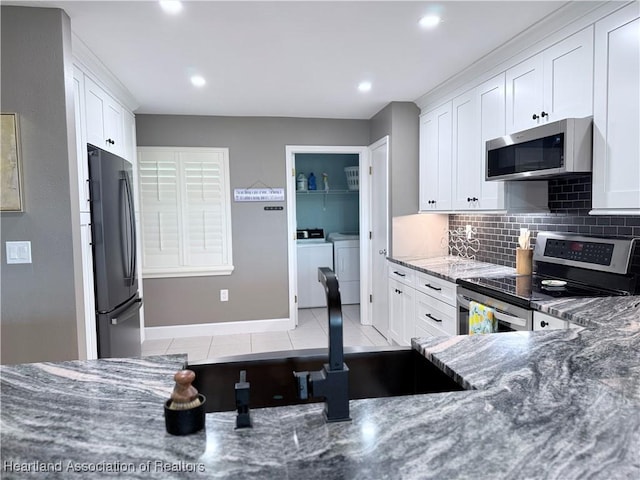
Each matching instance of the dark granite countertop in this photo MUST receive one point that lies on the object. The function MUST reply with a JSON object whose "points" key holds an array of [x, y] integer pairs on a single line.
{"points": [[561, 404], [451, 267]]}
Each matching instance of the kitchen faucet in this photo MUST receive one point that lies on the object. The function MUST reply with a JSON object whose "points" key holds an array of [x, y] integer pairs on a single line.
{"points": [[332, 381]]}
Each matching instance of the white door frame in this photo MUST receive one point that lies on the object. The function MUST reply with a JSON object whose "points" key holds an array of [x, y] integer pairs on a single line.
{"points": [[364, 197]]}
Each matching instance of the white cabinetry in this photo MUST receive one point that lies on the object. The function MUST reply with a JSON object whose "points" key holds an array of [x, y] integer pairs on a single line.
{"points": [[401, 304], [479, 115], [435, 159], [544, 321], [616, 161], [312, 256], [103, 122], [420, 305], [554, 84], [104, 119]]}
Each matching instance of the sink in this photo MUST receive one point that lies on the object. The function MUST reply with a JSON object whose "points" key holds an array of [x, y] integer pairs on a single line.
{"points": [[373, 373]]}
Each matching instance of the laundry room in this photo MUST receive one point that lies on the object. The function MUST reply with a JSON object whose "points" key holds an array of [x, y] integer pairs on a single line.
{"points": [[327, 224]]}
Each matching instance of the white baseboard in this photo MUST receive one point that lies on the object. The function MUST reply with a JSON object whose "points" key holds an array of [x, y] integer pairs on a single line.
{"points": [[224, 328]]}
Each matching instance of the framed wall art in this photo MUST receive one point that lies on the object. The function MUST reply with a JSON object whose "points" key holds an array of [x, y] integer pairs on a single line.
{"points": [[10, 180]]}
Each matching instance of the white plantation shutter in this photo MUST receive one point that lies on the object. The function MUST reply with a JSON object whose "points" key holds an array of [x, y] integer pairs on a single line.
{"points": [[186, 220]]}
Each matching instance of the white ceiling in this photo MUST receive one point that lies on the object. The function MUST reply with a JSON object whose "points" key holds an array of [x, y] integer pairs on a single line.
{"points": [[296, 58]]}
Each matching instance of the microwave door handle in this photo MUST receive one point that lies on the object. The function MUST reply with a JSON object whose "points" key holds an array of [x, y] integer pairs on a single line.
{"points": [[510, 319]]}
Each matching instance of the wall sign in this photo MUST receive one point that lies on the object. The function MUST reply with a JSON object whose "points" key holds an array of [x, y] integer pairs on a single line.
{"points": [[258, 194]]}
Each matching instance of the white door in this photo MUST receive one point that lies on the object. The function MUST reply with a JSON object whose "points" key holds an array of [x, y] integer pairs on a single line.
{"points": [[379, 154], [524, 95], [616, 115], [491, 113]]}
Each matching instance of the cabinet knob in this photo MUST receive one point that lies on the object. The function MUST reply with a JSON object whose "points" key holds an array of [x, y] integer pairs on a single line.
{"points": [[544, 114], [472, 199], [110, 142], [543, 324], [535, 117]]}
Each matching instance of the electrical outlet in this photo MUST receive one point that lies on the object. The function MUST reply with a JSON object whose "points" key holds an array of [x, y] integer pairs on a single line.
{"points": [[224, 295]]}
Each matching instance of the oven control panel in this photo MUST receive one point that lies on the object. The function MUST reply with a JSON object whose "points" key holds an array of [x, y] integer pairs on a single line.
{"points": [[579, 251]]}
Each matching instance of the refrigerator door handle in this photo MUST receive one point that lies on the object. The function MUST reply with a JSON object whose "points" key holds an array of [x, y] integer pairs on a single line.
{"points": [[132, 227], [124, 230], [118, 320]]}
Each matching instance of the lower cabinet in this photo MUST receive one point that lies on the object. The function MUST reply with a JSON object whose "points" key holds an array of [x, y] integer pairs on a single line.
{"points": [[401, 308], [420, 305], [544, 321]]}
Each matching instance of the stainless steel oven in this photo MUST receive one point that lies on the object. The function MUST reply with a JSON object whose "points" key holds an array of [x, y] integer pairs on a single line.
{"points": [[511, 318]]}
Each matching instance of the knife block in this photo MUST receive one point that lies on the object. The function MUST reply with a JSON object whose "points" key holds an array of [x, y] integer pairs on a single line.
{"points": [[524, 261]]}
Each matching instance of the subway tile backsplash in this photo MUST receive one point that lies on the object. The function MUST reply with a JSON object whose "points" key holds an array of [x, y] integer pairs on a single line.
{"points": [[569, 205]]}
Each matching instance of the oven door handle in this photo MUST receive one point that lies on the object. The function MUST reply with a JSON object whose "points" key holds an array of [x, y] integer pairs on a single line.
{"points": [[510, 319], [462, 299]]}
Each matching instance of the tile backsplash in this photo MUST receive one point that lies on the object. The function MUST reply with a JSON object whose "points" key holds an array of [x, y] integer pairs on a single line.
{"points": [[569, 205]]}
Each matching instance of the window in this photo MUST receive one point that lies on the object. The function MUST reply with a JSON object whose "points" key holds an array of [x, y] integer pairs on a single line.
{"points": [[185, 211]]}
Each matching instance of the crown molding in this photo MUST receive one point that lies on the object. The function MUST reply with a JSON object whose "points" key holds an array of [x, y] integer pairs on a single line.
{"points": [[565, 21], [88, 62]]}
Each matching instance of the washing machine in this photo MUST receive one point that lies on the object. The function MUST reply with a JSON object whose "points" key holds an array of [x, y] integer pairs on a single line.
{"points": [[346, 265]]}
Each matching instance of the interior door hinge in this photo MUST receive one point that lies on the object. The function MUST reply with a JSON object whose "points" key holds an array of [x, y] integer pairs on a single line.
{"points": [[370, 235], [370, 170], [295, 299], [370, 298], [293, 172]]}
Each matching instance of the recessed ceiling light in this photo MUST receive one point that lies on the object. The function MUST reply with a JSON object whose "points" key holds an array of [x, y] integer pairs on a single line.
{"points": [[171, 6], [198, 81], [429, 21], [364, 86]]}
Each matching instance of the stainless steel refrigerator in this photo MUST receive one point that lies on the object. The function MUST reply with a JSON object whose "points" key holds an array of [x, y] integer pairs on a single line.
{"points": [[113, 229]]}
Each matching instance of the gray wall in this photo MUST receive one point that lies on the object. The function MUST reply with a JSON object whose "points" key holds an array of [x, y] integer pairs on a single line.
{"points": [[258, 287], [400, 120], [38, 300]]}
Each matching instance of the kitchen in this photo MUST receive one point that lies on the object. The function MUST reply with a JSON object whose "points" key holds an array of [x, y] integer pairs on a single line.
{"points": [[565, 202]]}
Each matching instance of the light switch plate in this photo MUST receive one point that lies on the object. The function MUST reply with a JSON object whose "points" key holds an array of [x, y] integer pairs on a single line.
{"points": [[19, 252]]}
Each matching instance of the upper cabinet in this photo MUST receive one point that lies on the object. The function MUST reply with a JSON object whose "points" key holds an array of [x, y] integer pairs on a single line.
{"points": [[554, 84], [435, 159], [104, 119], [616, 116]]}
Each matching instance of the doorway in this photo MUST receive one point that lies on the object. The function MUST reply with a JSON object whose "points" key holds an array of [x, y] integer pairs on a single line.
{"points": [[367, 282]]}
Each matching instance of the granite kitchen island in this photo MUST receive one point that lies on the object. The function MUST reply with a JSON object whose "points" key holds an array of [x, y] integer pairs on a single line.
{"points": [[559, 404]]}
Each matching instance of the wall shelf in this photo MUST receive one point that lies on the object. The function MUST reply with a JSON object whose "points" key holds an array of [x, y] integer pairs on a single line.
{"points": [[330, 192]]}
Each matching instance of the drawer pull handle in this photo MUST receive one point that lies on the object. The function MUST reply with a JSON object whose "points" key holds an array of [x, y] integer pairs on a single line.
{"points": [[433, 318], [399, 274], [432, 287]]}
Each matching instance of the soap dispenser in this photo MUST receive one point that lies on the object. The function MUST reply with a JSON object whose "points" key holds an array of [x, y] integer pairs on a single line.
{"points": [[312, 182]]}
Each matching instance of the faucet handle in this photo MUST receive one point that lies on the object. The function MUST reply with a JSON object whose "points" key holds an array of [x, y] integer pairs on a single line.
{"points": [[302, 380]]}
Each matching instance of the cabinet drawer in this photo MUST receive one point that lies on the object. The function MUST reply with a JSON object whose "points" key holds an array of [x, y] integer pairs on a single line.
{"points": [[402, 274], [437, 288], [435, 314], [424, 329]]}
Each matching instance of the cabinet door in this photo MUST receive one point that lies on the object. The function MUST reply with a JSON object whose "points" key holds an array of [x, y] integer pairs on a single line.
{"points": [[408, 314], [568, 77], [95, 107], [81, 141], [113, 127], [524, 94], [492, 120], [104, 118], [435, 159], [467, 162], [616, 116], [396, 322]]}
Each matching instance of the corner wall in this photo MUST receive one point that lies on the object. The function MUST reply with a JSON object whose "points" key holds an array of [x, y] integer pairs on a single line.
{"points": [[38, 300]]}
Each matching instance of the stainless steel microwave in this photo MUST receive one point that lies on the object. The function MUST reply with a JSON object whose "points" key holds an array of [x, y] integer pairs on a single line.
{"points": [[550, 150]]}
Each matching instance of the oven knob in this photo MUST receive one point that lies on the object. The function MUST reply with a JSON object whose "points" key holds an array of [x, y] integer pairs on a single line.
{"points": [[543, 324]]}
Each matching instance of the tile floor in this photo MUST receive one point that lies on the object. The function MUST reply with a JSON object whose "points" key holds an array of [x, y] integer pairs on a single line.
{"points": [[311, 332]]}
